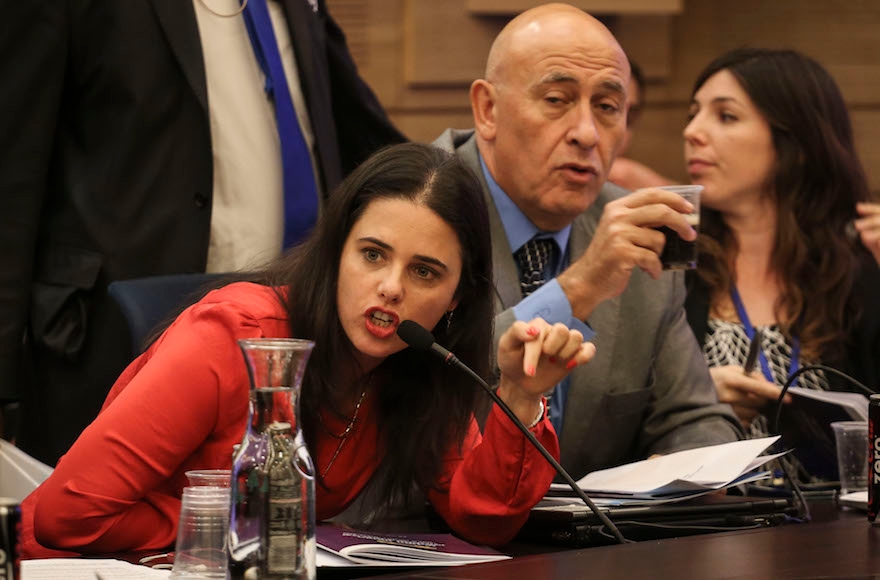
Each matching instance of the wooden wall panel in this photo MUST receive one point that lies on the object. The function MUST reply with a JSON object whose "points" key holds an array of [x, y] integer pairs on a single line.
{"points": [[375, 37], [428, 125], [444, 44], [648, 40], [513, 7], [866, 124]]}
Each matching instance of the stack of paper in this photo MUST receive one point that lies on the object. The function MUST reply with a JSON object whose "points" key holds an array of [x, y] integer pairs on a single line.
{"points": [[682, 474]]}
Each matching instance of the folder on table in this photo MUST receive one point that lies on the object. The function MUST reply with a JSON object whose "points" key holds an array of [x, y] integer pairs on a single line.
{"points": [[576, 525]]}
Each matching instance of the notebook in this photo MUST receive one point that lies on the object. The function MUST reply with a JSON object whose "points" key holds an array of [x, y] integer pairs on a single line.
{"points": [[575, 525]]}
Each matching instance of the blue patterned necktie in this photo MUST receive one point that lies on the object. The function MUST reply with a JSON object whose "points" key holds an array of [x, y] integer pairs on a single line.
{"points": [[300, 190], [535, 260]]}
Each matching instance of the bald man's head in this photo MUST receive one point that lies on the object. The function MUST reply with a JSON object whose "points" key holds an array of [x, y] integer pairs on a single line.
{"points": [[550, 115], [528, 26]]}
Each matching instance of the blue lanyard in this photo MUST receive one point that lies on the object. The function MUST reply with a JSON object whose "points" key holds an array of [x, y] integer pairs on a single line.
{"points": [[750, 332]]}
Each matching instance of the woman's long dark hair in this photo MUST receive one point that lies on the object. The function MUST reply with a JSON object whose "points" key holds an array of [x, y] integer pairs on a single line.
{"points": [[818, 180], [425, 406]]}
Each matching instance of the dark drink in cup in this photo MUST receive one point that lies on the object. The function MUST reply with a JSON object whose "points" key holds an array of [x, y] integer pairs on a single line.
{"points": [[679, 254]]}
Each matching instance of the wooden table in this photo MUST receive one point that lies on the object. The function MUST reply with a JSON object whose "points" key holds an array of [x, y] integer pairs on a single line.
{"points": [[835, 544]]}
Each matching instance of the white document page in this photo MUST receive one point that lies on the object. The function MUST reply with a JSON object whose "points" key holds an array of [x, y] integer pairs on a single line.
{"points": [[86, 569], [711, 467], [569, 500]]}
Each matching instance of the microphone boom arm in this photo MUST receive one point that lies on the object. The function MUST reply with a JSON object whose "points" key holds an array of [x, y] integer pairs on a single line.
{"points": [[420, 338], [452, 360]]}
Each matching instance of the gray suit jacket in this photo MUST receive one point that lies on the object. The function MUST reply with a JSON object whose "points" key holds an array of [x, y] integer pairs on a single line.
{"points": [[648, 389]]}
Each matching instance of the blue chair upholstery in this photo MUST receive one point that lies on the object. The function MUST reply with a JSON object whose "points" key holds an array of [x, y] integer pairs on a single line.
{"points": [[147, 302]]}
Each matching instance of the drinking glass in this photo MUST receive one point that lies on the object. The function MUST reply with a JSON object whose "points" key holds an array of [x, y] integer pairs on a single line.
{"points": [[209, 477], [679, 254], [851, 438], [200, 551]]}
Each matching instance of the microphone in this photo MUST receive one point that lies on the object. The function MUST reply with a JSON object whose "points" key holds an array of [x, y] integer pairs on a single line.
{"points": [[419, 338]]}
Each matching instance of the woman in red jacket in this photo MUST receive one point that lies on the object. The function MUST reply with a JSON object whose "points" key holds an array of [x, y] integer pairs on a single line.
{"points": [[405, 237]]}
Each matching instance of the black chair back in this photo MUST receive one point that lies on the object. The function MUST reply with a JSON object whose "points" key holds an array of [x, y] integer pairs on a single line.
{"points": [[147, 302]]}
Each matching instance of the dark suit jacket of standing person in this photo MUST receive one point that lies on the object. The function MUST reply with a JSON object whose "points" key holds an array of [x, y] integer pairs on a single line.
{"points": [[648, 389], [861, 356], [106, 174]]}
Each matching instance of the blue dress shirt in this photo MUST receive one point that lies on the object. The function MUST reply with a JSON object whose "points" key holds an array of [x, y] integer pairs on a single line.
{"points": [[549, 301]]}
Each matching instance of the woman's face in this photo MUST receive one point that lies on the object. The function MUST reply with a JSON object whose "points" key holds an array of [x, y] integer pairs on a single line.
{"points": [[401, 261], [728, 145]]}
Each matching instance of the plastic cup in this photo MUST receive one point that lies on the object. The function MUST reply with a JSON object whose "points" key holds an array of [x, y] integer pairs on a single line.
{"points": [[200, 551], [209, 477], [679, 254], [852, 454]]}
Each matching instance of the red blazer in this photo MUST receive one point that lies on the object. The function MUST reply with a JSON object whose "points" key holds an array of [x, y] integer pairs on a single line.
{"points": [[183, 404]]}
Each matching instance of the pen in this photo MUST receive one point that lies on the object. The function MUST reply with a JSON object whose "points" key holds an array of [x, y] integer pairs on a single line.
{"points": [[754, 349]]}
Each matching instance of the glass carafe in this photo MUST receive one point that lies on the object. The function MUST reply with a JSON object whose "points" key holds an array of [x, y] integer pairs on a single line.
{"points": [[272, 512]]}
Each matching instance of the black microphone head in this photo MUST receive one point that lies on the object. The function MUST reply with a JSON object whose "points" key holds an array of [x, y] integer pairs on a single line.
{"points": [[415, 335]]}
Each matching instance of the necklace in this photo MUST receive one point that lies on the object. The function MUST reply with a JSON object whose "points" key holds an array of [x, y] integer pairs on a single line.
{"points": [[343, 437], [220, 14]]}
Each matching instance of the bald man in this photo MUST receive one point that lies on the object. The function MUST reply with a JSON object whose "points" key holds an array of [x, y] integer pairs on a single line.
{"points": [[549, 118]]}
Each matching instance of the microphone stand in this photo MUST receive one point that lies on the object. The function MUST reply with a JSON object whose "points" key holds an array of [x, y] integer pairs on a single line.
{"points": [[452, 360], [419, 338]]}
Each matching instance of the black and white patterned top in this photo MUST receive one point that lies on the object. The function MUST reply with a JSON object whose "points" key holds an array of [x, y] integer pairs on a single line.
{"points": [[728, 344]]}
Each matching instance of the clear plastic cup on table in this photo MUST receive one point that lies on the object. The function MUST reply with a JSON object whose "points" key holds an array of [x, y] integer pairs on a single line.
{"points": [[200, 551], [209, 477], [851, 438]]}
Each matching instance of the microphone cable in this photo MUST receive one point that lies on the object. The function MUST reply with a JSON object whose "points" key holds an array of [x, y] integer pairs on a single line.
{"points": [[419, 338], [796, 490]]}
